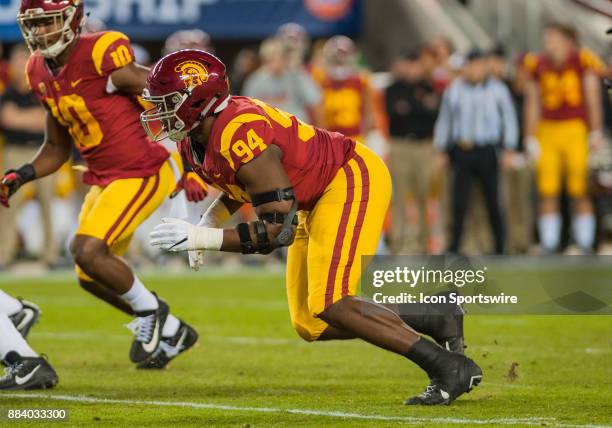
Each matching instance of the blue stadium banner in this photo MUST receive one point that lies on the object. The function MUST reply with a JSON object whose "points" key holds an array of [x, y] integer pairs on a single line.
{"points": [[222, 19]]}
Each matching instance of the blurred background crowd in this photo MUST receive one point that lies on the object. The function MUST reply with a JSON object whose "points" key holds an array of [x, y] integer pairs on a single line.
{"points": [[454, 107]]}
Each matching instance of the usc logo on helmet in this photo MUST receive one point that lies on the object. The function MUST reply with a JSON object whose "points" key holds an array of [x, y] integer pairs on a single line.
{"points": [[193, 73]]}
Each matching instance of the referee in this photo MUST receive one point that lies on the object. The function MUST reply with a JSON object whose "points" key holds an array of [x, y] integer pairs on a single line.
{"points": [[476, 119]]}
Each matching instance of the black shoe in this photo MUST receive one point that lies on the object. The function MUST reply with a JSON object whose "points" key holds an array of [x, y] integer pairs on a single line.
{"points": [[171, 347], [449, 333], [27, 373], [441, 321], [25, 319], [458, 374], [147, 328]]}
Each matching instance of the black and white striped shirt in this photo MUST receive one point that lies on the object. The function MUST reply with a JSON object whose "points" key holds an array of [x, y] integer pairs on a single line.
{"points": [[482, 114]]}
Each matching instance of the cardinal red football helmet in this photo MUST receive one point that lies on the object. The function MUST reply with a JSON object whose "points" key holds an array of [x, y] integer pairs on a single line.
{"points": [[64, 17], [185, 86]]}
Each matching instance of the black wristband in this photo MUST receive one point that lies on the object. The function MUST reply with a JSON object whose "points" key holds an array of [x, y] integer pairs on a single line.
{"points": [[23, 174], [26, 173]]}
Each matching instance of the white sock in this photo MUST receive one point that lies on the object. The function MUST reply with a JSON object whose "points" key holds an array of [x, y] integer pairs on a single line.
{"points": [[549, 226], [8, 304], [583, 227], [11, 340], [139, 298], [171, 326]]}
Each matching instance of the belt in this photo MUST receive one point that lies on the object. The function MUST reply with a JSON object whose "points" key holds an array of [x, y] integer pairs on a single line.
{"points": [[465, 145]]}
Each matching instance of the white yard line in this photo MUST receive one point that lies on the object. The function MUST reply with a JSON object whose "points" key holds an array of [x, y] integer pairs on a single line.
{"points": [[536, 421], [240, 340], [44, 276]]}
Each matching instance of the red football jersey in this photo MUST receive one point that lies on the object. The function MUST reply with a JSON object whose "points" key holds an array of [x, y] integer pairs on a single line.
{"points": [[246, 127], [561, 87], [105, 127], [344, 102]]}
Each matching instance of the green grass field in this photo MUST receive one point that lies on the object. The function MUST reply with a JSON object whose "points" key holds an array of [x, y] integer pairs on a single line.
{"points": [[250, 369]]}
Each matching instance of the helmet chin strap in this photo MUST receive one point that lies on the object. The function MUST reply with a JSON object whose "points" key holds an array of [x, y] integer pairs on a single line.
{"points": [[223, 104], [206, 109], [203, 113]]}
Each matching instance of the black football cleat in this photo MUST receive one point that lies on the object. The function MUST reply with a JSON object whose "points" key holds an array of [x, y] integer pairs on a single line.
{"points": [[25, 319], [147, 328], [170, 348], [443, 322], [450, 334], [457, 374], [27, 373]]}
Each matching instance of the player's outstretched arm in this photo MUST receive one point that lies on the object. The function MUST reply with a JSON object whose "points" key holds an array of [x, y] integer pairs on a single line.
{"points": [[130, 79], [54, 152], [178, 235]]}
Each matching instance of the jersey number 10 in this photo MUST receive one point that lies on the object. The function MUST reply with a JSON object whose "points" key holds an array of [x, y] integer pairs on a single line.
{"points": [[71, 111]]}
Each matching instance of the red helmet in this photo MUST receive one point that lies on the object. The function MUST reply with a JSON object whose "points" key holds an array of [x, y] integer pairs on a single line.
{"points": [[185, 87], [66, 17], [188, 39]]}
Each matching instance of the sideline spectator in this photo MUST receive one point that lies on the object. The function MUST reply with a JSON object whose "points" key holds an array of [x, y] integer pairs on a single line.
{"points": [[443, 72], [290, 89], [188, 39], [23, 119], [517, 178], [296, 42], [412, 106]]}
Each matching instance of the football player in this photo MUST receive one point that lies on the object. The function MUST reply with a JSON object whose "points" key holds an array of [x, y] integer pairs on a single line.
{"points": [[563, 117], [316, 191], [88, 83], [25, 369], [347, 92]]}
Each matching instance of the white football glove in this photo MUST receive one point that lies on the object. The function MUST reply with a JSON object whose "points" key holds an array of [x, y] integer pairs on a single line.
{"points": [[216, 214], [173, 234]]}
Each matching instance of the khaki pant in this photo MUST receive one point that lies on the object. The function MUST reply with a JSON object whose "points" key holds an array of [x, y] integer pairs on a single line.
{"points": [[410, 163], [14, 157], [477, 236], [519, 217]]}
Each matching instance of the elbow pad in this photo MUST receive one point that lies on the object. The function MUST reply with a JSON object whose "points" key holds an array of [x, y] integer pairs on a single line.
{"points": [[286, 235]]}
